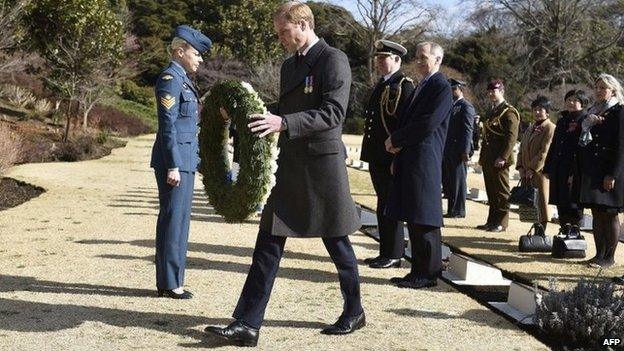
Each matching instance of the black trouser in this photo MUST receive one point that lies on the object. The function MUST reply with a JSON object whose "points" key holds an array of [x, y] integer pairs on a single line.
{"points": [[426, 244], [454, 185], [391, 239], [606, 230], [265, 263], [569, 215]]}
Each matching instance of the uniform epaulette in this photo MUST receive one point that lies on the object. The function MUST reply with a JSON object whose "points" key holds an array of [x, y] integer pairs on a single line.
{"points": [[167, 77], [405, 79], [514, 110]]}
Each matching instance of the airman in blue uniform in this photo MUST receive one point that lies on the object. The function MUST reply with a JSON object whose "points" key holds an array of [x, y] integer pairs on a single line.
{"points": [[175, 157], [457, 150]]}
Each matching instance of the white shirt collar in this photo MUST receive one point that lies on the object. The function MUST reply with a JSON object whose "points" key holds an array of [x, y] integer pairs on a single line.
{"points": [[427, 77], [312, 43], [387, 76]]}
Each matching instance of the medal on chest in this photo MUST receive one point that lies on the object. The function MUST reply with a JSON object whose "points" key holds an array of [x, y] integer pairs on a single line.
{"points": [[309, 85]]}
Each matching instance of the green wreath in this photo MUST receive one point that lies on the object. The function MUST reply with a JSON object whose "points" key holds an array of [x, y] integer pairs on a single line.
{"points": [[235, 200]]}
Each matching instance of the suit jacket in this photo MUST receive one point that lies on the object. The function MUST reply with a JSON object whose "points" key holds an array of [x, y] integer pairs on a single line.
{"points": [[534, 146], [311, 197], [176, 144], [604, 155], [500, 132], [416, 196], [459, 136], [375, 134]]}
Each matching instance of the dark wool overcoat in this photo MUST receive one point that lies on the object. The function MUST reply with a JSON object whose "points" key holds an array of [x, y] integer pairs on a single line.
{"points": [[603, 156], [311, 197], [416, 196]]}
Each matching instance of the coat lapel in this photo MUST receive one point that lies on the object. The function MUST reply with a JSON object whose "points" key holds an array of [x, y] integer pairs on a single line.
{"points": [[417, 95], [295, 74]]}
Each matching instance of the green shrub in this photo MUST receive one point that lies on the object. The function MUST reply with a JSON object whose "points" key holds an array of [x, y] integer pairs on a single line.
{"points": [[146, 114], [133, 92], [103, 136], [584, 317], [353, 125]]}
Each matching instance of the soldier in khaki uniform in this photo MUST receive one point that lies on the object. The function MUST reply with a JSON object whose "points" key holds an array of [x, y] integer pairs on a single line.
{"points": [[500, 132]]}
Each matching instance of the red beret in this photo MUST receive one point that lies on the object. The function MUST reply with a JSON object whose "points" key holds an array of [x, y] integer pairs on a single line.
{"points": [[496, 84]]}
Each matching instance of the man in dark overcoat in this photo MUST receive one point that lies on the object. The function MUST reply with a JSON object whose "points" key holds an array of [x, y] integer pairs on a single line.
{"points": [[418, 143], [382, 118], [457, 152], [311, 197]]}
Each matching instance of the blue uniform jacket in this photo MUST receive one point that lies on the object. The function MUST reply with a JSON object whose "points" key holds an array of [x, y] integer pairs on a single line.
{"points": [[176, 144], [459, 135]]}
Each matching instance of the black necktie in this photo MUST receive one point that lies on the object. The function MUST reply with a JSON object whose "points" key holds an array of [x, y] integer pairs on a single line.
{"points": [[299, 58]]}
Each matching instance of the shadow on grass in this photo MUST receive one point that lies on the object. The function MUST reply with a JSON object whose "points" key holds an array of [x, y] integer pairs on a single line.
{"points": [[139, 200], [290, 273], [37, 317], [237, 251], [18, 283]]}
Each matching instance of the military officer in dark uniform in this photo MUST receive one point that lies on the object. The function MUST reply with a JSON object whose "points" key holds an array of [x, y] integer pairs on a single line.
{"points": [[457, 151], [500, 132], [381, 115], [175, 157]]}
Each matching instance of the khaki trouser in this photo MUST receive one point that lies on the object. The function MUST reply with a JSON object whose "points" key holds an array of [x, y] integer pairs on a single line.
{"points": [[497, 189]]}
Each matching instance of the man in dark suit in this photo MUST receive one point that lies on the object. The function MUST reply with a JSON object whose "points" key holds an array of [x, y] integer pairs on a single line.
{"points": [[381, 120], [418, 144], [457, 152], [175, 157], [500, 133], [311, 197]]}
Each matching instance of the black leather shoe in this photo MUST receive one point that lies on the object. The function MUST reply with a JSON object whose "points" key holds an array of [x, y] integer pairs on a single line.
{"points": [[485, 226], [346, 325], [386, 263], [396, 280], [186, 295], [452, 215], [372, 259], [237, 332], [619, 280], [417, 283], [496, 229]]}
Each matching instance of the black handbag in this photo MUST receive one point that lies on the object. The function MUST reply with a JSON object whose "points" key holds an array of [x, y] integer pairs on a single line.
{"points": [[523, 194], [535, 240], [569, 243]]}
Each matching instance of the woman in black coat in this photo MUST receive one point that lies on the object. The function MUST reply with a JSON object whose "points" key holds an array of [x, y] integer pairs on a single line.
{"points": [[561, 155], [600, 183]]}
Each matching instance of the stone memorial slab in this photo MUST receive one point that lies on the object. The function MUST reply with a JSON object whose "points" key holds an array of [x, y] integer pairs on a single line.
{"points": [[520, 303], [463, 270]]}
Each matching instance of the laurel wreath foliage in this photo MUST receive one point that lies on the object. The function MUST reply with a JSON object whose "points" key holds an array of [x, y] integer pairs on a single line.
{"points": [[235, 200]]}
